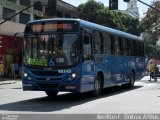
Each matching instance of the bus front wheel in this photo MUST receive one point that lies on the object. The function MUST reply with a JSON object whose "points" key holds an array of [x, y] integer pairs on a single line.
{"points": [[51, 94], [97, 87]]}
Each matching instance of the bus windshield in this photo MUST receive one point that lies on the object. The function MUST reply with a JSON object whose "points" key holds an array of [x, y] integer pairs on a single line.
{"points": [[51, 50]]}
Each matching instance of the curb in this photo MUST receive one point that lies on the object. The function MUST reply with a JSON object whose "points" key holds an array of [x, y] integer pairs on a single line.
{"points": [[5, 82]]}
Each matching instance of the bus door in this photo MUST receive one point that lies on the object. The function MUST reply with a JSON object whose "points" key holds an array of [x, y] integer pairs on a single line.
{"points": [[87, 63]]}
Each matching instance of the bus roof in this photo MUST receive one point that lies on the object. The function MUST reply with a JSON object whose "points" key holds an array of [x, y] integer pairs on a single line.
{"points": [[95, 27]]}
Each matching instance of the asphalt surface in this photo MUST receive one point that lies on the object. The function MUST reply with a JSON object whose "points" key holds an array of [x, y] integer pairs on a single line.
{"points": [[143, 98]]}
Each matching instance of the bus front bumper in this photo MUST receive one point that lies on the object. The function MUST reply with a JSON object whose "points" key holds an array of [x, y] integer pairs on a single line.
{"points": [[70, 86]]}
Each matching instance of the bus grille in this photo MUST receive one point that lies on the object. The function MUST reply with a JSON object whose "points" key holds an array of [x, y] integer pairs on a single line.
{"points": [[51, 86], [46, 73], [50, 79]]}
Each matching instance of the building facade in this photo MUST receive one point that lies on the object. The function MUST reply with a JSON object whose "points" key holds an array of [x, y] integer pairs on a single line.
{"points": [[10, 50], [132, 8]]}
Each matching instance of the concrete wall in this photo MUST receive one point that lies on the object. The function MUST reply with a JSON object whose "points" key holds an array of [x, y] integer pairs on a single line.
{"points": [[10, 28]]}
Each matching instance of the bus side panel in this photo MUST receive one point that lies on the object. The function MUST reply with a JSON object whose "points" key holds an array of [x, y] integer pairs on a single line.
{"points": [[102, 64], [87, 81], [140, 67], [136, 64], [119, 67], [127, 68], [112, 67], [107, 70]]}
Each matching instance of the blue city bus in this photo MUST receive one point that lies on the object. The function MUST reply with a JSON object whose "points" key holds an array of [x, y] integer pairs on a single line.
{"points": [[74, 55]]}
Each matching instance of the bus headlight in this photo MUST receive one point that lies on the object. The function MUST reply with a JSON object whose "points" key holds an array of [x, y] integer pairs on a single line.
{"points": [[72, 76], [25, 74]]}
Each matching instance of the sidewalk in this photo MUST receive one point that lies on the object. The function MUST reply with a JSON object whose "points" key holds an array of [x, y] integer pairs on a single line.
{"points": [[147, 78], [4, 81]]}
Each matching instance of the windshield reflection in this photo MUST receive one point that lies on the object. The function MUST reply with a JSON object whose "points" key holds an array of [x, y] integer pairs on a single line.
{"points": [[51, 50]]}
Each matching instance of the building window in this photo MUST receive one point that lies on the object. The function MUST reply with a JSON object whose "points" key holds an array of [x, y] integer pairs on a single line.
{"points": [[7, 13], [59, 14], [67, 16], [38, 6], [37, 17], [12, 0], [25, 2], [24, 18]]}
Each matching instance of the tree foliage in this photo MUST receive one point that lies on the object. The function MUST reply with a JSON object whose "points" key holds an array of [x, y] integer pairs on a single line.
{"points": [[151, 22], [88, 10], [96, 12], [152, 51]]}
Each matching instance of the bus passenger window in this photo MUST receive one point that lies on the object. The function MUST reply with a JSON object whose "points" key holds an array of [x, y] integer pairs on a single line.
{"points": [[120, 46], [130, 47], [97, 42], [123, 46], [116, 45], [126, 47], [87, 47], [107, 44], [112, 46]]}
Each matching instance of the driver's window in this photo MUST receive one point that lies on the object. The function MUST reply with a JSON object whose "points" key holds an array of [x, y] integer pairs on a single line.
{"points": [[87, 47]]}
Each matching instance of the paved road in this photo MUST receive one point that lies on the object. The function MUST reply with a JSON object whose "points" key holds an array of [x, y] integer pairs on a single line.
{"points": [[144, 98]]}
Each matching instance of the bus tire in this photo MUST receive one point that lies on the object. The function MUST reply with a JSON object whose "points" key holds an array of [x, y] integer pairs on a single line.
{"points": [[97, 87], [51, 94], [131, 81]]}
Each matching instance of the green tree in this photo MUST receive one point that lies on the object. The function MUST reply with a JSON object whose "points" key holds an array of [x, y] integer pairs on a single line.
{"points": [[150, 24], [151, 21], [88, 10], [96, 12]]}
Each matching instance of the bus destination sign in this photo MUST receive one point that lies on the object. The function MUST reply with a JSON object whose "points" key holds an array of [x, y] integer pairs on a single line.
{"points": [[49, 27]]}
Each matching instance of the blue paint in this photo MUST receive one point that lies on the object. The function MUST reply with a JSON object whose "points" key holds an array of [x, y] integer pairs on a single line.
{"points": [[116, 69]]}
